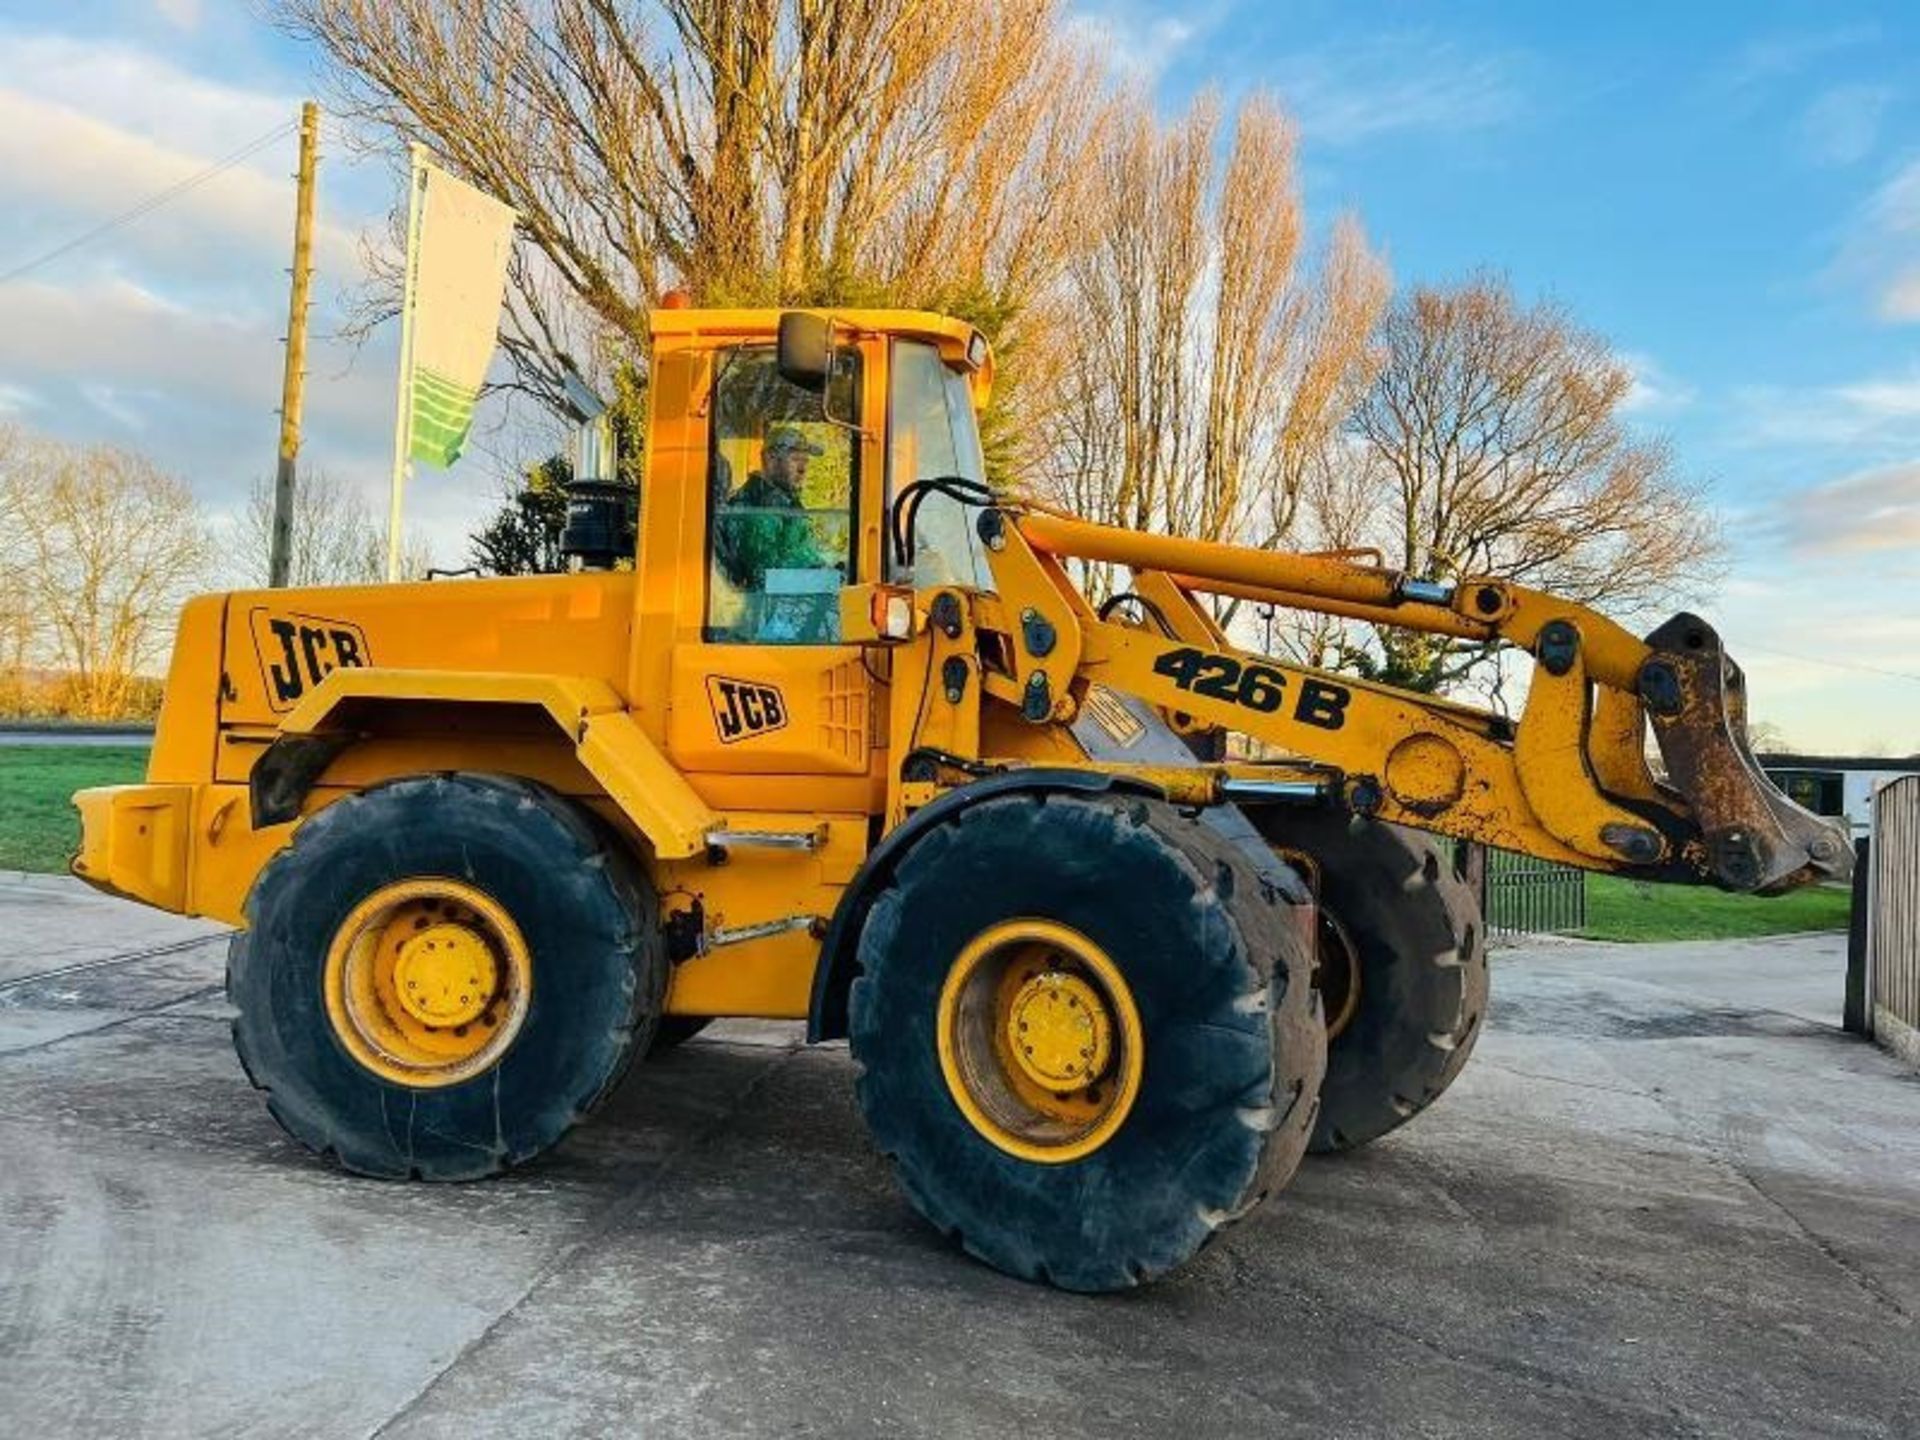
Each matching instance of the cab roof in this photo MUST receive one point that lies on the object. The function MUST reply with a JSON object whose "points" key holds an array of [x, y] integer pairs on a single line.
{"points": [[958, 341]]}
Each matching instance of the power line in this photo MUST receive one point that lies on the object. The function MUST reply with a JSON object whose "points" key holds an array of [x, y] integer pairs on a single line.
{"points": [[1835, 664], [154, 201]]}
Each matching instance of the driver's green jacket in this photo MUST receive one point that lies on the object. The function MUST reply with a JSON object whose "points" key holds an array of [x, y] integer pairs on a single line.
{"points": [[762, 527]]}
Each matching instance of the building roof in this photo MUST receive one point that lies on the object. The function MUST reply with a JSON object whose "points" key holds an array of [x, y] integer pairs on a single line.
{"points": [[1888, 764]]}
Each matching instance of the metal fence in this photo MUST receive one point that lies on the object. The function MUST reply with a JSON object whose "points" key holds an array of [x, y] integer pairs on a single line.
{"points": [[1893, 922], [1525, 896]]}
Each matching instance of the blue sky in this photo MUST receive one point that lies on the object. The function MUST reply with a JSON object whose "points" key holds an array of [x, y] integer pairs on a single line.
{"points": [[1729, 192]]}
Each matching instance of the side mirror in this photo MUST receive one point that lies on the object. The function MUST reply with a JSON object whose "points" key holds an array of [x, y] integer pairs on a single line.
{"points": [[805, 355]]}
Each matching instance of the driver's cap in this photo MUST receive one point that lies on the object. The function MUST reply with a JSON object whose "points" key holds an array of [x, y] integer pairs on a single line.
{"points": [[787, 439]]}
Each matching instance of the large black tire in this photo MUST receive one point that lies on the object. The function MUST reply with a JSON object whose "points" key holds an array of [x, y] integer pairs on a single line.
{"points": [[1412, 917], [1218, 962], [588, 917]]}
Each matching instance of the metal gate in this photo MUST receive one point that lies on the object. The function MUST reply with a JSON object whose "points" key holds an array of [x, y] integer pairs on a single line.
{"points": [[1525, 896], [1893, 921]]}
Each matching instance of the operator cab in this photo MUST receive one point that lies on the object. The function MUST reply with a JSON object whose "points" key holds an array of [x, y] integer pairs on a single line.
{"points": [[790, 463]]}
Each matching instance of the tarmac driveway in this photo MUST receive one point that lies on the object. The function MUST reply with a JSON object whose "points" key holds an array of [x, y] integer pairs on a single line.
{"points": [[1667, 1197]]}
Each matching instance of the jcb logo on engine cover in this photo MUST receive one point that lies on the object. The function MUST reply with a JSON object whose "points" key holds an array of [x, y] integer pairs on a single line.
{"points": [[297, 652], [745, 708]]}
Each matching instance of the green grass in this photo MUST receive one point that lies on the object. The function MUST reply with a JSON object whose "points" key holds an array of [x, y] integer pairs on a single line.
{"points": [[1620, 909], [39, 828]]}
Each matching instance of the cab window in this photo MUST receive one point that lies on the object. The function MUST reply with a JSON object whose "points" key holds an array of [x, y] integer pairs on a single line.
{"points": [[781, 519], [931, 434]]}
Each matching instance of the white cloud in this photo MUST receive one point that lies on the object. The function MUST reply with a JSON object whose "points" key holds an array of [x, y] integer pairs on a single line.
{"points": [[1900, 300], [1891, 400], [1842, 125], [116, 332], [181, 14], [127, 337], [1775, 57], [17, 400], [1863, 513], [123, 408], [1882, 249], [142, 93], [1875, 421], [198, 389], [166, 334], [1340, 94], [67, 170], [1139, 40], [1345, 94], [1653, 390]]}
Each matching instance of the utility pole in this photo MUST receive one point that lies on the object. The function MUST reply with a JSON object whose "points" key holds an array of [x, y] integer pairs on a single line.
{"points": [[293, 384]]}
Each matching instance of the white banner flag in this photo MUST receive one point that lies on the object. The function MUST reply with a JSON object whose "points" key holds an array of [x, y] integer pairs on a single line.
{"points": [[457, 281]]}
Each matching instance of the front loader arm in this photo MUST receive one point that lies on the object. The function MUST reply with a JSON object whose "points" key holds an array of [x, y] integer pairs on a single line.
{"points": [[1408, 759], [1568, 781]]}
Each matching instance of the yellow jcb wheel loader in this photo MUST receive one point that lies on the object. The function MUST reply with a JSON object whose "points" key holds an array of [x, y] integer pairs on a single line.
{"points": [[849, 744]]}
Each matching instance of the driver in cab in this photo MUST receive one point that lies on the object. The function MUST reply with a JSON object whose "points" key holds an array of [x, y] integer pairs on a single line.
{"points": [[765, 527]]}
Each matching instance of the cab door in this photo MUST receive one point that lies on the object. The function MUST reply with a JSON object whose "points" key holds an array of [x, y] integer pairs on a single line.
{"points": [[768, 689]]}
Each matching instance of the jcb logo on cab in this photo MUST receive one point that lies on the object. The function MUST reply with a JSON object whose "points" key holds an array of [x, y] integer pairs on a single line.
{"points": [[297, 652], [745, 708]]}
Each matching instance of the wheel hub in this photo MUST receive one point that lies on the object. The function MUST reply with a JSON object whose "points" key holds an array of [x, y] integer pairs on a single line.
{"points": [[446, 975], [1059, 1032], [427, 982], [1040, 1040]]}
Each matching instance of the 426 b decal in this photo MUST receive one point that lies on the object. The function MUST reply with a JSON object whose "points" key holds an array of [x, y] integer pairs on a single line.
{"points": [[1259, 688]]}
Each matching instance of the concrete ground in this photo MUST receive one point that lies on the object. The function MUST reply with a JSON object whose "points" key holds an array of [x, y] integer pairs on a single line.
{"points": [[1668, 1197]]}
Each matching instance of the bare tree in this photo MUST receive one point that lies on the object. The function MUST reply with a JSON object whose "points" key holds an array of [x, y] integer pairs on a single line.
{"points": [[335, 541], [113, 546], [20, 627], [1491, 443], [754, 151], [1766, 738], [1212, 366], [416, 554]]}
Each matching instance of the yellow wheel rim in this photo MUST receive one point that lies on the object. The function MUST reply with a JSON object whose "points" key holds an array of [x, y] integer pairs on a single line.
{"points": [[1336, 973], [1040, 1041], [427, 982], [1336, 959]]}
